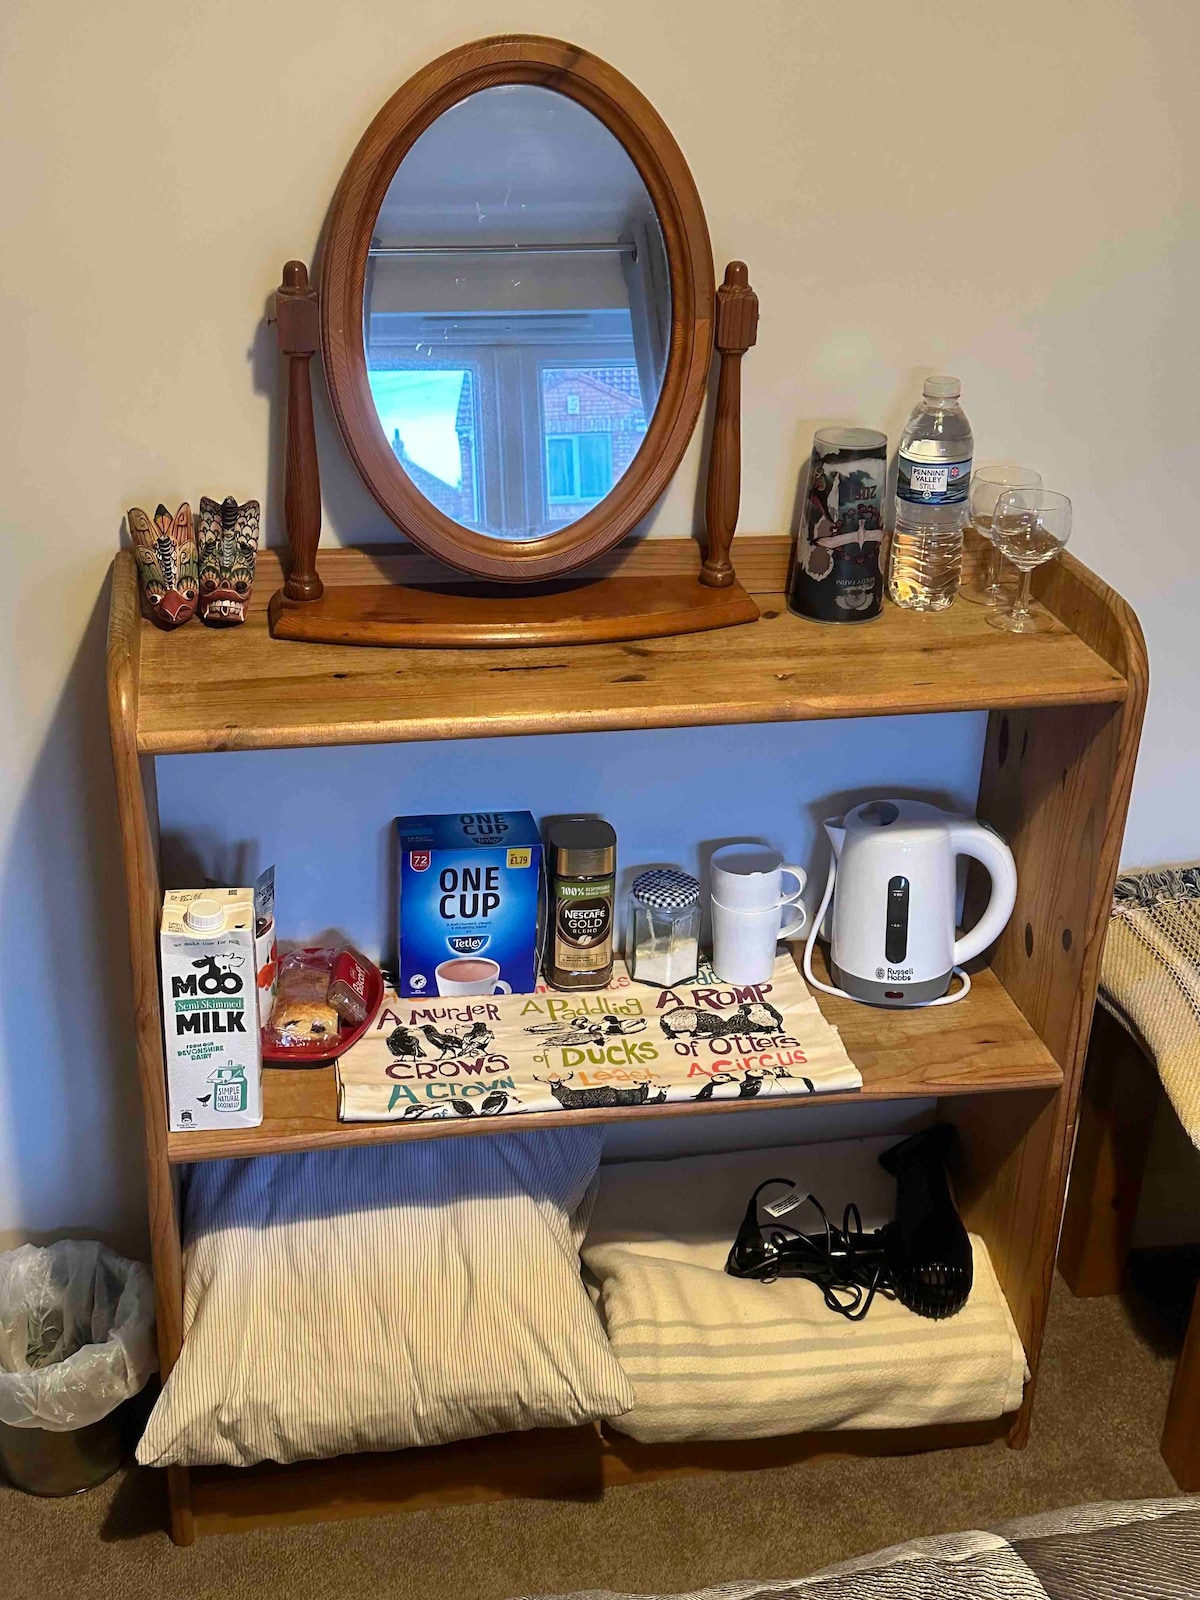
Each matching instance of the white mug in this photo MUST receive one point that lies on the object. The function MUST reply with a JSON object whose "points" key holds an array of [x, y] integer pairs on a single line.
{"points": [[744, 941], [749, 877], [470, 975]]}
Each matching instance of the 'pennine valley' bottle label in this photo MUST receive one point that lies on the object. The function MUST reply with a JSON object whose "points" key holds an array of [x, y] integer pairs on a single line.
{"points": [[932, 483]]}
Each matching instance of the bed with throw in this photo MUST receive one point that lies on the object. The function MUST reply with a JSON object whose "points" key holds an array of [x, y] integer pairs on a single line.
{"points": [[1134, 1550]]}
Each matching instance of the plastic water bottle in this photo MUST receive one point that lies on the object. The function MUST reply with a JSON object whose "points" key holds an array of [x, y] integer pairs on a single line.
{"points": [[932, 484]]}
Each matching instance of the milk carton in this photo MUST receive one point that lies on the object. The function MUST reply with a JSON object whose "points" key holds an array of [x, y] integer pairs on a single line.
{"points": [[210, 1009]]}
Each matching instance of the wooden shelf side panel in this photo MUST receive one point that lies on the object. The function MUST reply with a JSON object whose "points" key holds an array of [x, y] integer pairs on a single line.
{"points": [[1119, 1101], [1055, 783], [137, 806], [1001, 1187]]}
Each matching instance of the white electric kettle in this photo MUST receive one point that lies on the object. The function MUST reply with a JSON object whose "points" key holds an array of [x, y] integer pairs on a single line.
{"points": [[892, 879]]}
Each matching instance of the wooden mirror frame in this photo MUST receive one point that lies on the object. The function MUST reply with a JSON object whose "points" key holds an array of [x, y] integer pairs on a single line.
{"points": [[633, 121], [525, 597]]}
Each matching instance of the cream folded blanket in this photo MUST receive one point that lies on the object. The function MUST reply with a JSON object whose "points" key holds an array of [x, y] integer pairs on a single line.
{"points": [[715, 1357], [1150, 978]]}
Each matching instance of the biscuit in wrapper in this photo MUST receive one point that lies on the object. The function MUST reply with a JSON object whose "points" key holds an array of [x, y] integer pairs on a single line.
{"points": [[295, 1022]]}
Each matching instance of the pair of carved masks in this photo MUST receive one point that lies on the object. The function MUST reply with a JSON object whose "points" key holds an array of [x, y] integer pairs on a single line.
{"points": [[211, 570]]}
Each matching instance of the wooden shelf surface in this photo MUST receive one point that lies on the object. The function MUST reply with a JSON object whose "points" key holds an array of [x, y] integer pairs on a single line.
{"points": [[983, 1044], [204, 689]]}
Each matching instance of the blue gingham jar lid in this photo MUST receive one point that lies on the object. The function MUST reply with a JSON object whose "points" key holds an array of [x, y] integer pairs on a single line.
{"points": [[666, 889]]}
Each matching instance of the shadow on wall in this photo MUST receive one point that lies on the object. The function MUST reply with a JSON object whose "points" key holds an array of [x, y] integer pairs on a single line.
{"points": [[68, 1080]]}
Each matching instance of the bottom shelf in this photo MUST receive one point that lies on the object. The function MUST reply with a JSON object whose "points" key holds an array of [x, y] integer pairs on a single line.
{"points": [[983, 1044], [581, 1464], [554, 1464]]}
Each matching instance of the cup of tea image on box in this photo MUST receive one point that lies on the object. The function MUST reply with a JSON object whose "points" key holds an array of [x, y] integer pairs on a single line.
{"points": [[838, 575], [469, 902]]}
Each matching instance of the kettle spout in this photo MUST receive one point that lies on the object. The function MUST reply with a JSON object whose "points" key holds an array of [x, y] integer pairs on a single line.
{"points": [[835, 828]]}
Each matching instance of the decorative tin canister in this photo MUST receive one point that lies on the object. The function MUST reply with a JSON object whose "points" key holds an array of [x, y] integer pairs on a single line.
{"points": [[838, 574]]}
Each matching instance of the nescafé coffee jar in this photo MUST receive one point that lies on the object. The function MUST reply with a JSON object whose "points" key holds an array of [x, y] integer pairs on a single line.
{"points": [[582, 862]]}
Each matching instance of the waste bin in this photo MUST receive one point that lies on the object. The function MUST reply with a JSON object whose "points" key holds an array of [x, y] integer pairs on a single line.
{"points": [[76, 1341]]}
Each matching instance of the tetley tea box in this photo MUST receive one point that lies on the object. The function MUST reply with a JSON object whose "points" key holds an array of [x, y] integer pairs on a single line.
{"points": [[210, 1009], [469, 897]]}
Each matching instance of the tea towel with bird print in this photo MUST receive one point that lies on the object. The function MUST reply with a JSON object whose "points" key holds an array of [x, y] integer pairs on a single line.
{"points": [[627, 1045]]}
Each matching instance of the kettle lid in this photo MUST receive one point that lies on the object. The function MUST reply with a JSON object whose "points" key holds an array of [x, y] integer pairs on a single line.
{"points": [[879, 814]]}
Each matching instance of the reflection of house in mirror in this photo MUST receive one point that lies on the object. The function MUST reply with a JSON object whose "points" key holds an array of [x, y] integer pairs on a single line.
{"points": [[592, 422]]}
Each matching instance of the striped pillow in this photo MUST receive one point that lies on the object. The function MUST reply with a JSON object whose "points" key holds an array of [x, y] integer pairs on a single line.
{"points": [[373, 1299], [715, 1357]]}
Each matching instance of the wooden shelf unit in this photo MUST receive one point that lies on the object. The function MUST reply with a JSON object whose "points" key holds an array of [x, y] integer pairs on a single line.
{"points": [[1065, 714]]}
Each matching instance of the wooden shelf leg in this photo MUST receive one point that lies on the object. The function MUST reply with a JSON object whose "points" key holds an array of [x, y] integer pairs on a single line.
{"points": [[179, 1498], [1118, 1102], [1181, 1435]]}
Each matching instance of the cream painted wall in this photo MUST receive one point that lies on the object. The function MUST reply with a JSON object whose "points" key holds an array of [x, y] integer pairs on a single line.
{"points": [[1012, 198]]}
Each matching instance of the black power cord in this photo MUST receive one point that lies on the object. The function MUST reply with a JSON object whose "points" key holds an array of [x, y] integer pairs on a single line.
{"points": [[847, 1265], [923, 1257]]}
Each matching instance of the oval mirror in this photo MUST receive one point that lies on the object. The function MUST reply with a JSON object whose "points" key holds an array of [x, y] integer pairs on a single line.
{"points": [[516, 308]]}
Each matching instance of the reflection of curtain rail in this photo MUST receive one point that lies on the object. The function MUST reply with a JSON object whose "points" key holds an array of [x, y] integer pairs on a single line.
{"points": [[615, 249]]}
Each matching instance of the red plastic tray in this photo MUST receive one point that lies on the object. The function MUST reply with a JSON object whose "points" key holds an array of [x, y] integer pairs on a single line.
{"points": [[318, 1053]]}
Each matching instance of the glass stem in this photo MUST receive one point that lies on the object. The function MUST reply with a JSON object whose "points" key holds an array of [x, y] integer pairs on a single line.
{"points": [[1021, 604], [991, 575]]}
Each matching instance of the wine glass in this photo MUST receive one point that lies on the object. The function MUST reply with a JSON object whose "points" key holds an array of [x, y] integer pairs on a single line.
{"points": [[1029, 526], [987, 485]]}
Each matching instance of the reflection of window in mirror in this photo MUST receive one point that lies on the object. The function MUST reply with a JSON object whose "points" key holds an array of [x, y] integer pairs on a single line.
{"points": [[515, 426], [516, 312], [579, 468]]}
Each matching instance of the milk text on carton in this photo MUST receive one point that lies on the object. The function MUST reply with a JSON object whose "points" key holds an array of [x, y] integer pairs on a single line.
{"points": [[210, 1009]]}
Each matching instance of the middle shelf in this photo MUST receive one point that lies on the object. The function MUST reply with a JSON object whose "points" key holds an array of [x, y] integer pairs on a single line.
{"points": [[982, 1044]]}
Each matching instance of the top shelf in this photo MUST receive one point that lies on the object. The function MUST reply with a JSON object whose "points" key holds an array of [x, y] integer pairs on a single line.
{"points": [[205, 689]]}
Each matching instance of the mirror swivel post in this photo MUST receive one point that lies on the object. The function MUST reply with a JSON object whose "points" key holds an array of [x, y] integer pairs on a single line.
{"points": [[736, 331]]}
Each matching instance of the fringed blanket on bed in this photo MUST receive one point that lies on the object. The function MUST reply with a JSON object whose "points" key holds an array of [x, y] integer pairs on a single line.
{"points": [[1150, 978]]}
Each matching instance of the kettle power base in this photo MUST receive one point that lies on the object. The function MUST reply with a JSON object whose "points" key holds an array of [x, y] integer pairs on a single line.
{"points": [[882, 992]]}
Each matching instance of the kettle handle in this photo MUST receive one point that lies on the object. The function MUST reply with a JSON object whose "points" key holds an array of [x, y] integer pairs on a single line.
{"points": [[981, 844]]}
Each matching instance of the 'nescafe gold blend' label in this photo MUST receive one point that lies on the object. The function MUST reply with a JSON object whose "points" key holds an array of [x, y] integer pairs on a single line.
{"points": [[583, 919]]}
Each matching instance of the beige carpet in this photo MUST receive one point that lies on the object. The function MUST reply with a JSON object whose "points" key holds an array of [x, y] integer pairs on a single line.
{"points": [[1105, 1376]]}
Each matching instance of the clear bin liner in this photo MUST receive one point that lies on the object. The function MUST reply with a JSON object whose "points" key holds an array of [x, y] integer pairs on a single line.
{"points": [[76, 1333]]}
